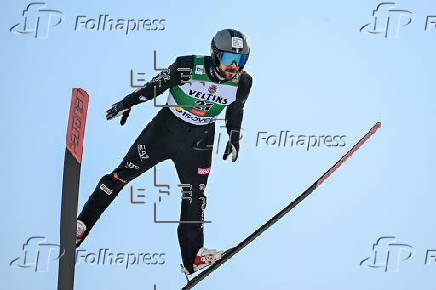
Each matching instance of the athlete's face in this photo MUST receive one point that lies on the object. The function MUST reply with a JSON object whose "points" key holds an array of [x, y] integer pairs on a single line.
{"points": [[229, 70]]}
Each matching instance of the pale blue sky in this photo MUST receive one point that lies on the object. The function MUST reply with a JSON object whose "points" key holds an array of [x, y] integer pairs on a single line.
{"points": [[313, 73]]}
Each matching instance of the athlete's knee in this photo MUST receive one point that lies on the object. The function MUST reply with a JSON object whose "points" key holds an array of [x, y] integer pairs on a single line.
{"points": [[111, 184], [190, 231], [105, 192]]}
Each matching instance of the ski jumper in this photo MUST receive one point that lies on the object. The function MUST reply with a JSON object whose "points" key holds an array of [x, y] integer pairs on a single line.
{"points": [[184, 135]]}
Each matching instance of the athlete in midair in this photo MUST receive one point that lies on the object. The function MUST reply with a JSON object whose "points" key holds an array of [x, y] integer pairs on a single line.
{"points": [[200, 87]]}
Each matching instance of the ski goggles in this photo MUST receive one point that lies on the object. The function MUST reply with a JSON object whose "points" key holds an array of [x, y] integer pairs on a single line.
{"points": [[227, 58]]}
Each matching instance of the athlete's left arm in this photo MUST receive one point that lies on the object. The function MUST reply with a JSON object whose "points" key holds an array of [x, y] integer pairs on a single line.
{"points": [[234, 115]]}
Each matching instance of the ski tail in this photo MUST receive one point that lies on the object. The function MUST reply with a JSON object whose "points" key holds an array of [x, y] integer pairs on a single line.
{"points": [[70, 187], [232, 251]]}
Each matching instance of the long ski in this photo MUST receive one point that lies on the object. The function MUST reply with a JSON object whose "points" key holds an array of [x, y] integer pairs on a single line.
{"points": [[70, 187], [232, 251]]}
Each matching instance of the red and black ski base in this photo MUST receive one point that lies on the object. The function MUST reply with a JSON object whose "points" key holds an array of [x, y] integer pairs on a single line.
{"points": [[70, 187]]}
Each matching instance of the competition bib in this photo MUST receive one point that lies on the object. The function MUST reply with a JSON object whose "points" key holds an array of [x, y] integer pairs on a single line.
{"points": [[200, 100]]}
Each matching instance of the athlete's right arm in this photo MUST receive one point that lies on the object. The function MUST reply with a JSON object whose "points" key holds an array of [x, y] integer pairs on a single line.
{"points": [[177, 73]]}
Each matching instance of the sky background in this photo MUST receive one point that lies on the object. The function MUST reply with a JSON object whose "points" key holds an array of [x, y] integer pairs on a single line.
{"points": [[313, 73]]}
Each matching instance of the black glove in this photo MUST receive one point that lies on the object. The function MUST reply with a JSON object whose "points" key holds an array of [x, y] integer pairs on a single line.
{"points": [[232, 145], [118, 109]]}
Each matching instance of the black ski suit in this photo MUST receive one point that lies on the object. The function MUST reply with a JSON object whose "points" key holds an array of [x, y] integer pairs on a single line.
{"points": [[167, 136]]}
